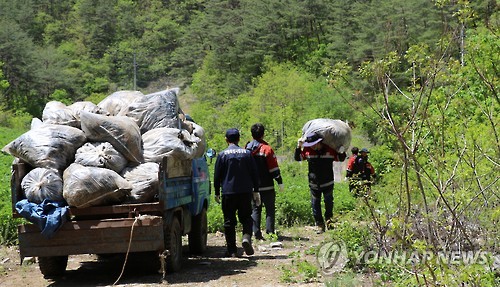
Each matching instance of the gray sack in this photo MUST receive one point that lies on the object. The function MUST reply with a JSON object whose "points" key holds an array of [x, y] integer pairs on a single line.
{"points": [[122, 132], [144, 180], [118, 101], [169, 142], [335, 133], [49, 146], [100, 154], [93, 186], [57, 113], [157, 110]]}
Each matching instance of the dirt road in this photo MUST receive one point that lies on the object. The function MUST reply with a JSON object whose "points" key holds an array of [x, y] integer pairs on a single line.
{"points": [[271, 265]]}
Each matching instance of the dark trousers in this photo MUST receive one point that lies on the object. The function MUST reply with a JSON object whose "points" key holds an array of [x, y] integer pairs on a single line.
{"points": [[316, 204], [232, 203], [268, 200]]}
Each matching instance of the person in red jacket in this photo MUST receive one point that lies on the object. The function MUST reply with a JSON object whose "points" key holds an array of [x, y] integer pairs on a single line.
{"points": [[320, 158], [269, 171], [365, 173], [351, 168]]}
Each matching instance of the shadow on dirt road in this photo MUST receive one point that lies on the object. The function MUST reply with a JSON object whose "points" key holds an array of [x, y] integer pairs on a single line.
{"points": [[265, 268], [143, 269]]}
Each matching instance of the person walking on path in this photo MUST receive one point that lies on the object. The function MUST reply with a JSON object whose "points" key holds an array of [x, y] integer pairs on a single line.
{"points": [[366, 172], [211, 153], [320, 158], [235, 172], [268, 169]]}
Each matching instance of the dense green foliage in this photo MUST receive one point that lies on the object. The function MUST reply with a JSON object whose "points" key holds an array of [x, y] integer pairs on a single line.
{"points": [[417, 79], [87, 47]]}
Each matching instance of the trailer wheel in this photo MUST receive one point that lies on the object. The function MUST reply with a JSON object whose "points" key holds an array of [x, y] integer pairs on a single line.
{"points": [[52, 266], [173, 242], [198, 236]]}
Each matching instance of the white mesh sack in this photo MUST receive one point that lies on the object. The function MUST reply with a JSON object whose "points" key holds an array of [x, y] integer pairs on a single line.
{"points": [[199, 132], [170, 142], [122, 132], [157, 110], [85, 186], [58, 113], [100, 154], [49, 146], [42, 183], [335, 133], [144, 180], [35, 123], [117, 101]]}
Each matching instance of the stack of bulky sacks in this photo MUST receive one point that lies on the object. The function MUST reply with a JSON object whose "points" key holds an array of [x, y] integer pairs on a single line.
{"points": [[110, 153]]}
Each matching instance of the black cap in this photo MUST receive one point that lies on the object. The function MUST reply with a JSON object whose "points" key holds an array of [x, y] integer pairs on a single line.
{"points": [[233, 135], [365, 150]]}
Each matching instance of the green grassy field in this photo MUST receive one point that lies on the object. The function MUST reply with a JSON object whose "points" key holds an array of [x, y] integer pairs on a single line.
{"points": [[8, 229]]}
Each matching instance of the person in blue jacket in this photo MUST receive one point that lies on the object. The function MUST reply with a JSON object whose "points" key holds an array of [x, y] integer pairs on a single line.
{"points": [[235, 172]]}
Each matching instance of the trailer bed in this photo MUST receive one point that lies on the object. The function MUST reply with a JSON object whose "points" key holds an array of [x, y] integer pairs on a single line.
{"points": [[94, 237]]}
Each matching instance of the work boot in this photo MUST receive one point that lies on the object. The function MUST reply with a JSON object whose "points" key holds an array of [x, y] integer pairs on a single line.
{"points": [[320, 228], [329, 224], [230, 254], [247, 244], [258, 236]]}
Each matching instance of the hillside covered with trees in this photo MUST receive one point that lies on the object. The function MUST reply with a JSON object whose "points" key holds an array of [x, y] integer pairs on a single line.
{"points": [[418, 80]]}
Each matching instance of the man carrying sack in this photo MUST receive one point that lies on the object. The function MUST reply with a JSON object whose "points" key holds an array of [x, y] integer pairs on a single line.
{"points": [[320, 158]]}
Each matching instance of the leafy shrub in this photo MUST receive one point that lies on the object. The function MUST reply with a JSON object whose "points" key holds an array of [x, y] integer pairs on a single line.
{"points": [[300, 271], [382, 159], [8, 229], [14, 123], [215, 217], [61, 96], [8, 226], [6, 136], [356, 238], [293, 206], [343, 199], [347, 279], [96, 98]]}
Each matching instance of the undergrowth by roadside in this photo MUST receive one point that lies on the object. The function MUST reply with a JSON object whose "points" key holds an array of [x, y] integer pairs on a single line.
{"points": [[8, 225], [364, 225]]}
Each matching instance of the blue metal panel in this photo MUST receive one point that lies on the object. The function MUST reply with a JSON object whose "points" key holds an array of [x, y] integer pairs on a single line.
{"points": [[201, 185], [191, 191]]}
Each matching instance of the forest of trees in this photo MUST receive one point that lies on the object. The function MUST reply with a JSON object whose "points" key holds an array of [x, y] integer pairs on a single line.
{"points": [[77, 49], [418, 80]]}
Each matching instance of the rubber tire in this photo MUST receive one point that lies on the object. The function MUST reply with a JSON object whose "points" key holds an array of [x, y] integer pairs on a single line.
{"points": [[173, 243], [53, 266], [199, 231]]}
